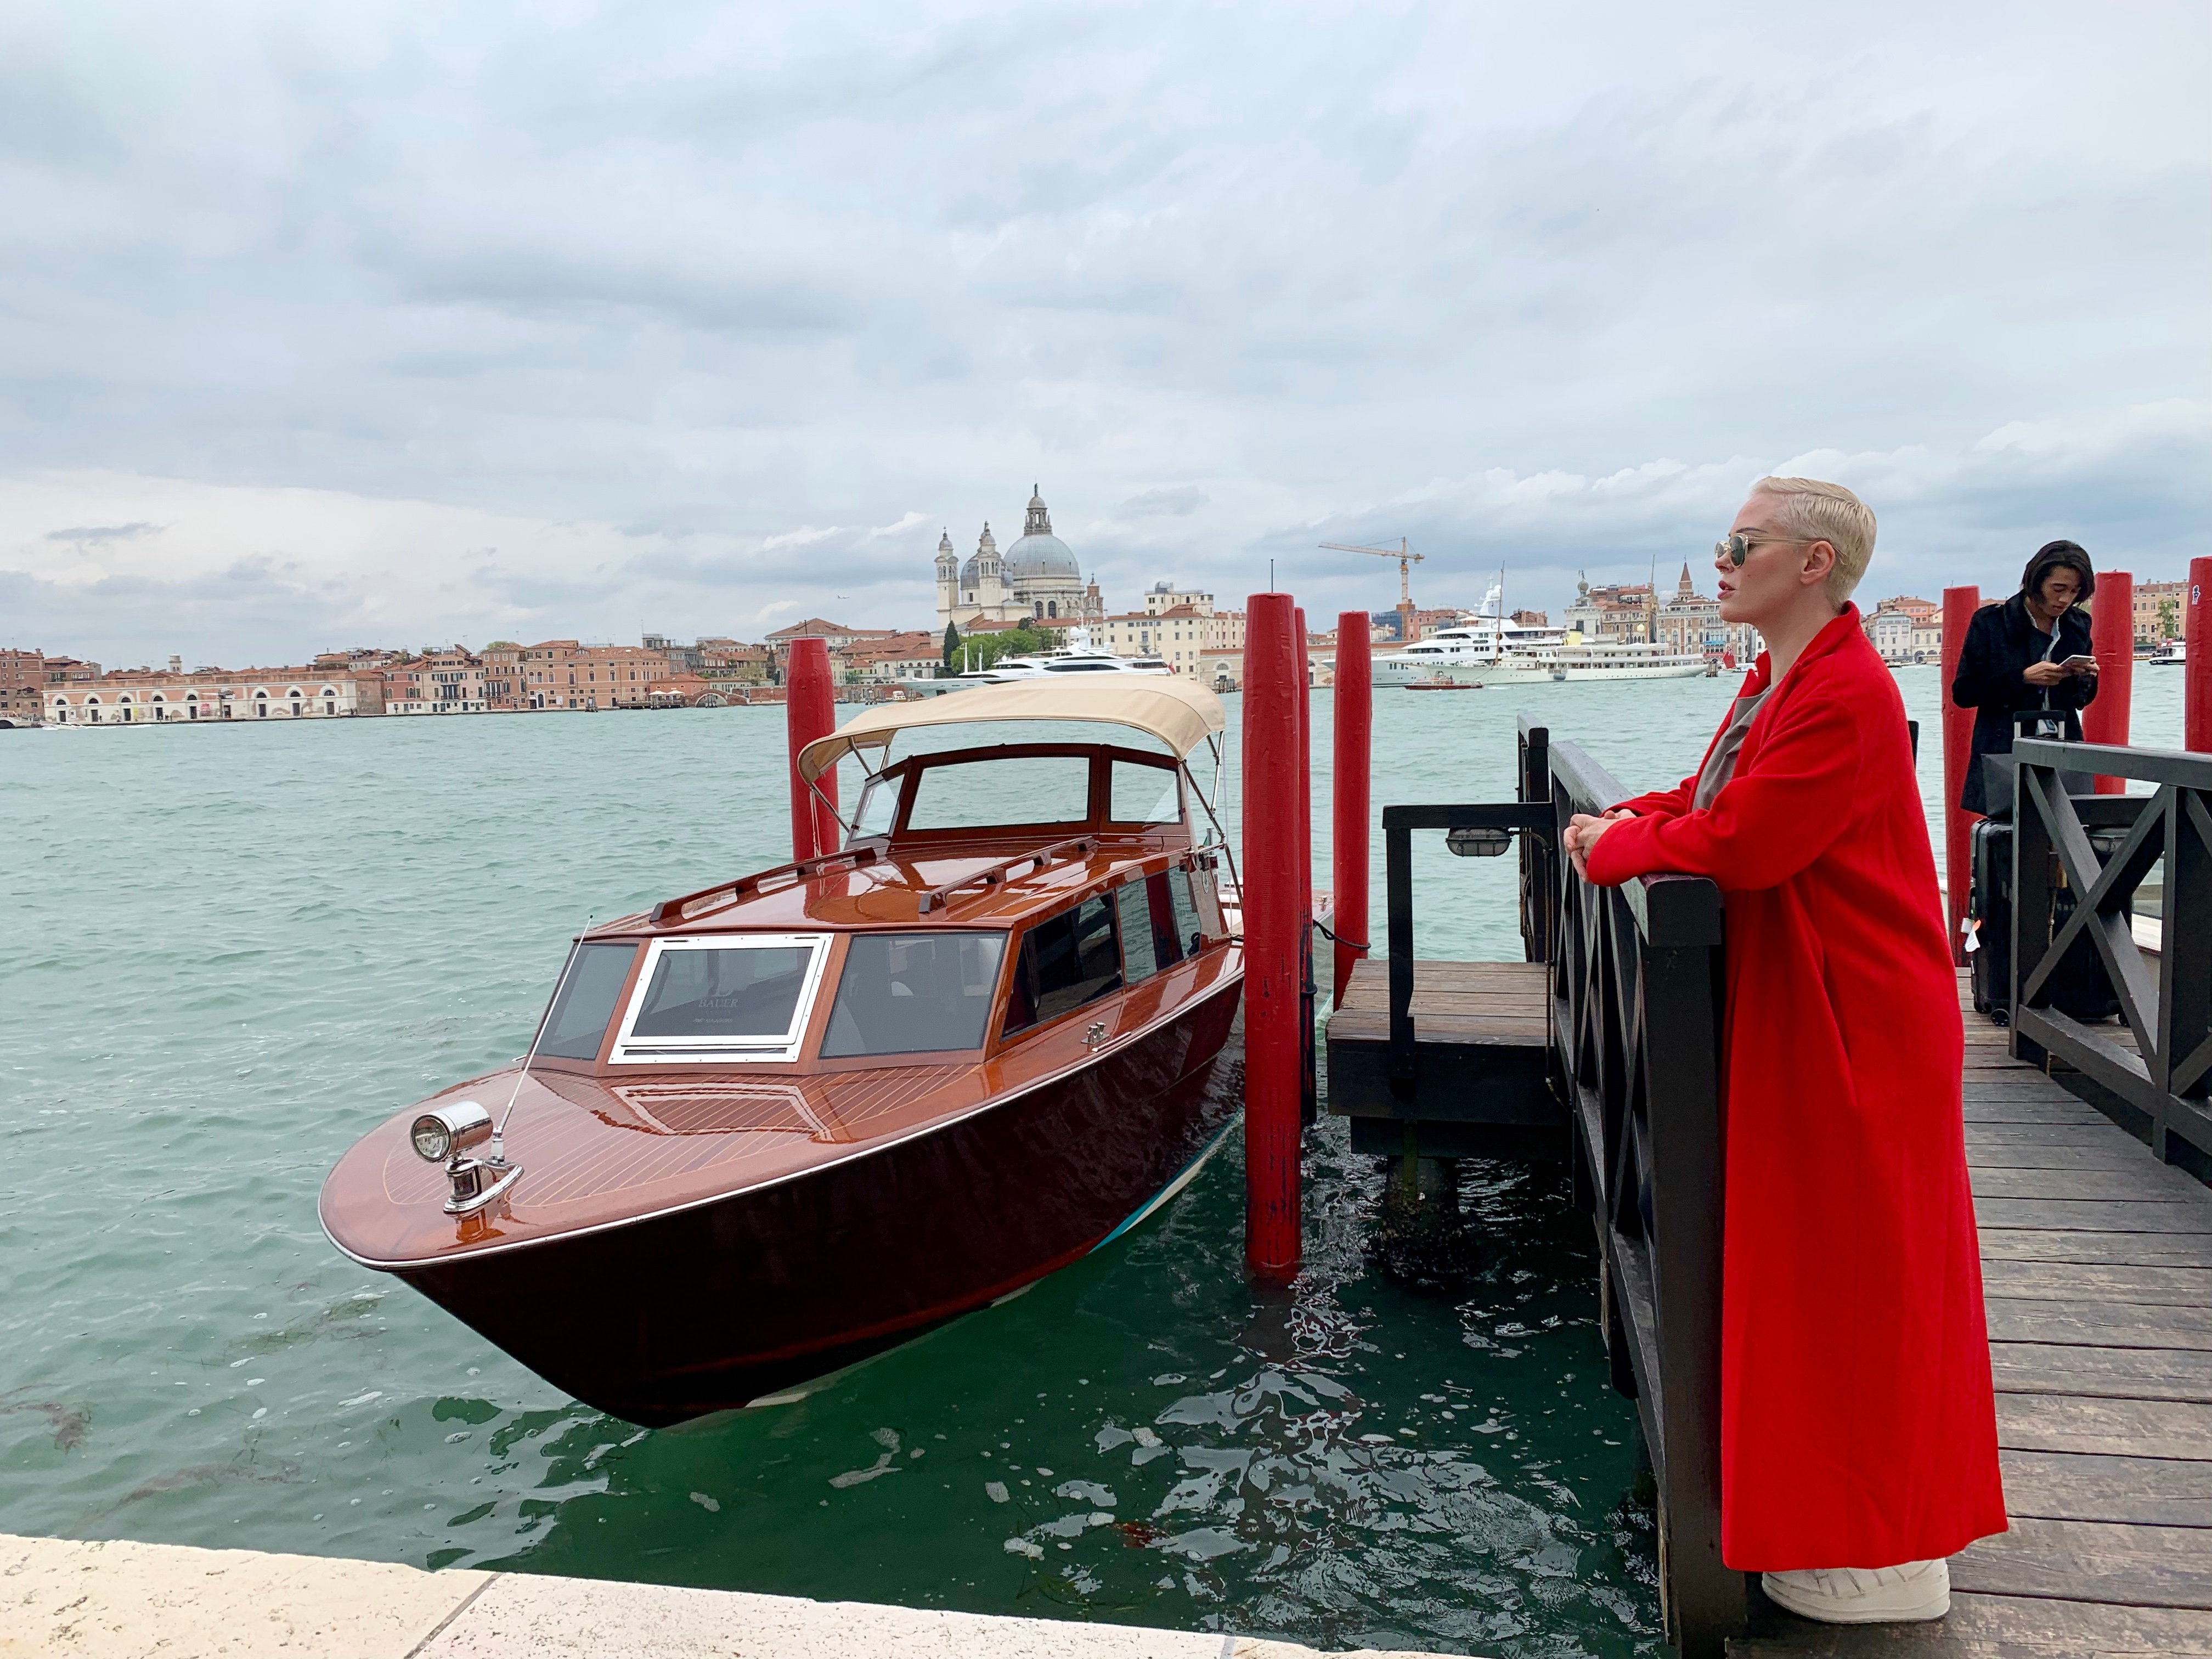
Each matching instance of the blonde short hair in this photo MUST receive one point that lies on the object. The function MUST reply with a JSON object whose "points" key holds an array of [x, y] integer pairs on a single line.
{"points": [[1813, 511]]}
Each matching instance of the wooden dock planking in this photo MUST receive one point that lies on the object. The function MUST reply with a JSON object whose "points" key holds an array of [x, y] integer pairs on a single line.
{"points": [[2097, 1267], [1482, 1036]]}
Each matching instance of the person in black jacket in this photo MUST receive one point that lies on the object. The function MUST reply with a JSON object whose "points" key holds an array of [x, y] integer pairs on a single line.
{"points": [[2014, 655]]}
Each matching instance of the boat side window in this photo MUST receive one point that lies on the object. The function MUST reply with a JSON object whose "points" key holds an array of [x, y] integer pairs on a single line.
{"points": [[986, 793], [1145, 794], [878, 806], [1065, 961], [1188, 919], [904, 994], [1150, 940], [579, 1017]]}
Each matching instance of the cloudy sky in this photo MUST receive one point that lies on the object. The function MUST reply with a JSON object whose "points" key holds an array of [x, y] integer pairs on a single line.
{"points": [[387, 324]]}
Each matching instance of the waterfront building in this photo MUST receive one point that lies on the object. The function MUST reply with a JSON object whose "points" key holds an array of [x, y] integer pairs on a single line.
{"points": [[64, 671], [1920, 610], [1530, 619], [1618, 611], [1037, 578], [567, 674], [1179, 626], [1176, 635], [147, 697], [448, 682], [1890, 633], [887, 661], [2158, 609], [22, 687], [1166, 596]]}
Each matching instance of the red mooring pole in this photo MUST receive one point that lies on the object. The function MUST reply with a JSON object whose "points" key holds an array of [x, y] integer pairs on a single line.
{"points": [[2112, 639], [1305, 762], [2197, 665], [810, 711], [1274, 1051], [1355, 727], [1959, 605]]}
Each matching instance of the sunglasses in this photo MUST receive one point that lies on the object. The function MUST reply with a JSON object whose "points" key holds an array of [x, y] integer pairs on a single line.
{"points": [[1736, 549]]}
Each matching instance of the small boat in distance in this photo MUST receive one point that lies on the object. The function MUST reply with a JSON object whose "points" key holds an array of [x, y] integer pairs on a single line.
{"points": [[1443, 685], [2174, 653], [773, 1127]]}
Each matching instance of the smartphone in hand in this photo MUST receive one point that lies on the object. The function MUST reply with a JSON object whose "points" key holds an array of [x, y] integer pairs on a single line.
{"points": [[2078, 665]]}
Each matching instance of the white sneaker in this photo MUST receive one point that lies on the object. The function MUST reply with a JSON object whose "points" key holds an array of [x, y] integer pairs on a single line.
{"points": [[1864, 1595]]}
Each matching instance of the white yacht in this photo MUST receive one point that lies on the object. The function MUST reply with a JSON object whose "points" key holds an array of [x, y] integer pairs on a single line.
{"points": [[1078, 656], [1481, 649]]}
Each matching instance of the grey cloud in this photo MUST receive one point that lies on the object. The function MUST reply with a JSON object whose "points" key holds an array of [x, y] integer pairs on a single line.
{"points": [[1179, 503], [714, 276], [106, 532]]}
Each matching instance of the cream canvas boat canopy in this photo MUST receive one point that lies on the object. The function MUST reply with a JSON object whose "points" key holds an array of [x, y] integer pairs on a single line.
{"points": [[1180, 714]]}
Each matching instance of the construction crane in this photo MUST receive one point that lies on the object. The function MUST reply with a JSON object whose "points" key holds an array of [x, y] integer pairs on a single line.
{"points": [[1406, 559]]}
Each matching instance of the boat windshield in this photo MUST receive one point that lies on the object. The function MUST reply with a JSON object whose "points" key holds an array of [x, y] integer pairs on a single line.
{"points": [[740, 992], [586, 1002], [735, 996], [904, 994], [987, 792]]}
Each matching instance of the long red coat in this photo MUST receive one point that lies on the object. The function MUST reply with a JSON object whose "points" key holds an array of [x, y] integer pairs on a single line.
{"points": [[1858, 1428]]}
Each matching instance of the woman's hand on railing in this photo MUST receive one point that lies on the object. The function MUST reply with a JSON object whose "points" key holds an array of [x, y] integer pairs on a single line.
{"points": [[1582, 830]]}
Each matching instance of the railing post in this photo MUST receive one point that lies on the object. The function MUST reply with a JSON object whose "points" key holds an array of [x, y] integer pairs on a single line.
{"points": [[1538, 896], [1398, 901], [1350, 803], [2196, 666], [2032, 894], [810, 711], [1959, 605], [1271, 899], [2112, 638], [1703, 1598]]}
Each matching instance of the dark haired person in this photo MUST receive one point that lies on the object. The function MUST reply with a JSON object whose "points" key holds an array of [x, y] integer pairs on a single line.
{"points": [[2015, 655], [1858, 1427]]}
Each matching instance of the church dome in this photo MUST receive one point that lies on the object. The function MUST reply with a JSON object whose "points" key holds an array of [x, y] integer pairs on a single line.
{"points": [[986, 548], [1040, 555]]}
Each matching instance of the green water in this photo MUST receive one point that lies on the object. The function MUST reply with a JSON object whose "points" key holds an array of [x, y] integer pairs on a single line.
{"points": [[227, 952]]}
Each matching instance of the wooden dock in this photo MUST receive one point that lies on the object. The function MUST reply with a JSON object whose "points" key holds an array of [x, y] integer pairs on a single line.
{"points": [[2088, 1144], [1480, 1088], [2097, 1265]]}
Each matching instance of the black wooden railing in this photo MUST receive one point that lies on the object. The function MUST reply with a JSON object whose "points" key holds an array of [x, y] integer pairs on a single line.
{"points": [[1636, 1002], [2160, 1085]]}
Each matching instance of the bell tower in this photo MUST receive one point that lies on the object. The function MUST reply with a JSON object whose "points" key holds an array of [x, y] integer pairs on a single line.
{"points": [[990, 571], [948, 578]]}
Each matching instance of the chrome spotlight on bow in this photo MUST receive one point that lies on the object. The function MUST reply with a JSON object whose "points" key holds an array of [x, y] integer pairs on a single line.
{"points": [[444, 1134]]}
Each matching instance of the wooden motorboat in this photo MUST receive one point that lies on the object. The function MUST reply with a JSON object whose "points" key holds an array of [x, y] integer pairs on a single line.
{"points": [[1443, 685], [775, 1126]]}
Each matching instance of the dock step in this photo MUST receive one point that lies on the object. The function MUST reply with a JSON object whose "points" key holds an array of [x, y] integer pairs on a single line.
{"points": [[1482, 1045]]}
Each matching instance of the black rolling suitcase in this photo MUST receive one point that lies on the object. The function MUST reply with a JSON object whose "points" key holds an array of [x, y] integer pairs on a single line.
{"points": [[2081, 988], [1988, 917]]}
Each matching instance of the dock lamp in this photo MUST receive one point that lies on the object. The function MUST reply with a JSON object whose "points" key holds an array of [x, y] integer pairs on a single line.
{"points": [[1479, 843], [444, 1135]]}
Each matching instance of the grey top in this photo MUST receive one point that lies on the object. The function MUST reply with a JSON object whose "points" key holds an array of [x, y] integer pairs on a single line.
{"points": [[1720, 765]]}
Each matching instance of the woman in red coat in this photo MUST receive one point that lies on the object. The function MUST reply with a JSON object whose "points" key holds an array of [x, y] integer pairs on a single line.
{"points": [[1859, 1430]]}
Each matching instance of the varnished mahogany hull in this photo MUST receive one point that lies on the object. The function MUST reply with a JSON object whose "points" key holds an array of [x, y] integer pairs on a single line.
{"points": [[672, 1316]]}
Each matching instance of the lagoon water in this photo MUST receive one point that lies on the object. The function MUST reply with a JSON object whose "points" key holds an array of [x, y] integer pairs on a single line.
{"points": [[231, 951]]}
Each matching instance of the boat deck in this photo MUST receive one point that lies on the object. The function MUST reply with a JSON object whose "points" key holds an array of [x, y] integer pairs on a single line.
{"points": [[2097, 1264]]}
